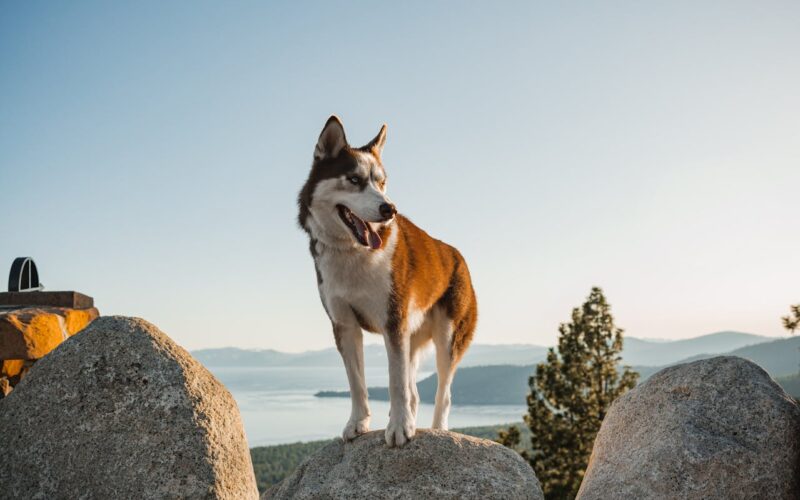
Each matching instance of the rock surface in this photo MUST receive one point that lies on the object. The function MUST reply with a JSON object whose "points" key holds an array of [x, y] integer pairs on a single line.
{"points": [[716, 428], [435, 464], [32, 332], [121, 411]]}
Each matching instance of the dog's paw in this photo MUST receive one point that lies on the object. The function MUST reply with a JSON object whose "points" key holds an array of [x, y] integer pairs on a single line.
{"points": [[355, 428], [400, 430]]}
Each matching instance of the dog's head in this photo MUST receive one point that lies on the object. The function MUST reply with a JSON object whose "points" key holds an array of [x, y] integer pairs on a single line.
{"points": [[344, 199]]}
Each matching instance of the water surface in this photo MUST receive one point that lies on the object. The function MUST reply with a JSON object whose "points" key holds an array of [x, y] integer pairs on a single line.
{"points": [[278, 404]]}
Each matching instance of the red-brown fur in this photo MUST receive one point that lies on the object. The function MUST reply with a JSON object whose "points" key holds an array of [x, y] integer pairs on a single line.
{"points": [[431, 272]]}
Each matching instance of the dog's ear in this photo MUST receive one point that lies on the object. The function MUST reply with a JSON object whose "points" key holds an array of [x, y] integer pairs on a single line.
{"points": [[376, 144], [331, 139]]}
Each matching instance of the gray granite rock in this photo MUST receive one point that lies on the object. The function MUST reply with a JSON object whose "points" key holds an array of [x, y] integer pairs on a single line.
{"points": [[435, 464], [121, 411], [716, 428]]}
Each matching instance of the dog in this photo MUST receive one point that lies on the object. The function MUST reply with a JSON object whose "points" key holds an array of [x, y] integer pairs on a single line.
{"points": [[377, 271]]}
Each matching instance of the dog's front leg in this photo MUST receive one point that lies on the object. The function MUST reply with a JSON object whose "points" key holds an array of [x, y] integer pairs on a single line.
{"points": [[401, 426], [350, 342]]}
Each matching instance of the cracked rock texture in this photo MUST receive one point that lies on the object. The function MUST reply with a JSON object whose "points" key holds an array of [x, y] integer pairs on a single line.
{"points": [[716, 428], [435, 464], [122, 411]]}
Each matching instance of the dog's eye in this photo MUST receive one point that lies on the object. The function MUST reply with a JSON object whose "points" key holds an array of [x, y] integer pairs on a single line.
{"points": [[354, 180]]}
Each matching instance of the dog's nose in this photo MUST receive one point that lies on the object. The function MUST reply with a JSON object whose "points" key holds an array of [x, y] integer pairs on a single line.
{"points": [[387, 211]]}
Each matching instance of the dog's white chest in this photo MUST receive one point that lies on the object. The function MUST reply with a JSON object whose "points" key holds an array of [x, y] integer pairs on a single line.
{"points": [[356, 280]]}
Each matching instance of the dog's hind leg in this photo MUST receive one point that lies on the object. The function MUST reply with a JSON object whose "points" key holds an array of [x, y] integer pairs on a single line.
{"points": [[350, 342], [453, 332], [419, 341], [445, 369], [412, 384]]}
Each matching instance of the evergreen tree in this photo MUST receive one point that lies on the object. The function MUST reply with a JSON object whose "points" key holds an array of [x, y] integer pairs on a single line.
{"points": [[571, 393], [511, 438], [792, 322]]}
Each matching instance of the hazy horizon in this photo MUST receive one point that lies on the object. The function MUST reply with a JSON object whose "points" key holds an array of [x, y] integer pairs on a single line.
{"points": [[377, 340], [151, 154]]}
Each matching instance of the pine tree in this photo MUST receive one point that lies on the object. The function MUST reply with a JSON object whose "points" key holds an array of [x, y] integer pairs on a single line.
{"points": [[511, 438], [571, 393], [792, 322]]}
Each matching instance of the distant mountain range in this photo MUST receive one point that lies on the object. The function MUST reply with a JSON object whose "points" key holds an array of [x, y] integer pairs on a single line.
{"points": [[508, 384], [654, 353], [374, 355], [780, 358], [637, 352]]}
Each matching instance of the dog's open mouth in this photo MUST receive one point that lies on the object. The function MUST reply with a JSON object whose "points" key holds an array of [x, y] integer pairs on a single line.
{"points": [[361, 229]]}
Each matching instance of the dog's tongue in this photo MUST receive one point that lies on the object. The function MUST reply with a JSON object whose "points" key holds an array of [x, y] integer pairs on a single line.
{"points": [[368, 235], [373, 238]]}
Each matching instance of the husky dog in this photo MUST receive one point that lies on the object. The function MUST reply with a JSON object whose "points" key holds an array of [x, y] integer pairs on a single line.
{"points": [[377, 271]]}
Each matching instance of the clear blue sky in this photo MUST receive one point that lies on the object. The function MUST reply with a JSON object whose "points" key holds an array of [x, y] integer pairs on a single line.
{"points": [[151, 152]]}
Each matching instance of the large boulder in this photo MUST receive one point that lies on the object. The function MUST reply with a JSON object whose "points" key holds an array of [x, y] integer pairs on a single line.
{"points": [[121, 411], [716, 428], [435, 464]]}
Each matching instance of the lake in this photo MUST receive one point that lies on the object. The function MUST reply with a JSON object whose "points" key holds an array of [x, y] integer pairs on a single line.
{"points": [[278, 404]]}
